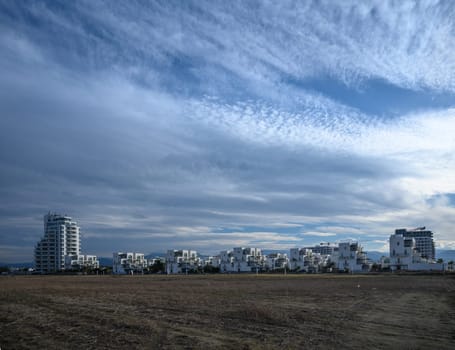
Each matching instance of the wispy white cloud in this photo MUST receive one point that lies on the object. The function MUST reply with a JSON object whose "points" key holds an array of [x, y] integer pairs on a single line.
{"points": [[406, 43], [188, 120], [318, 234]]}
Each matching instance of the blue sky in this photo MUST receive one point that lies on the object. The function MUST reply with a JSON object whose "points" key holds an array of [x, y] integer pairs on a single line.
{"points": [[213, 124]]}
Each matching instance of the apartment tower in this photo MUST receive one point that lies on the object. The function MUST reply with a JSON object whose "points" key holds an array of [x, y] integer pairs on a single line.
{"points": [[61, 238], [424, 242]]}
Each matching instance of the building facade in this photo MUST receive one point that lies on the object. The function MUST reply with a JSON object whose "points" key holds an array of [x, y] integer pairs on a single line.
{"points": [[324, 248], [128, 263], [276, 261], [81, 262], [301, 259], [307, 260], [424, 242], [182, 261], [351, 258], [404, 255], [241, 259], [61, 238]]}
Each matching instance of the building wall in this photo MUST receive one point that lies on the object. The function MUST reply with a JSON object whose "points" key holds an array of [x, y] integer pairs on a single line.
{"points": [[351, 257], [404, 255], [61, 238], [181, 261], [241, 259], [128, 263], [80, 262], [424, 242]]}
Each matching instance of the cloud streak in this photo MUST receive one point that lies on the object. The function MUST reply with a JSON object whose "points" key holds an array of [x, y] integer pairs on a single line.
{"points": [[163, 124]]}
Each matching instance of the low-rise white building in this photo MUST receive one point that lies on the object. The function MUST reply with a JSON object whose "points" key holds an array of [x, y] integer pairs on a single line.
{"points": [[275, 261], [241, 259], [182, 261], [404, 255], [351, 257], [301, 259], [305, 260], [213, 261], [128, 263], [81, 262]]}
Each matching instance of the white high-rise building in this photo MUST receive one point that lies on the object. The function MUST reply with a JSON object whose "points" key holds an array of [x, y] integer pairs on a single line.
{"points": [[406, 255], [423, 238], [61, 238]]}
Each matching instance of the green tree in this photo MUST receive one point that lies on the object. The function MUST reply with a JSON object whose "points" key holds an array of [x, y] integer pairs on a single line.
{"points": [[211, 269], [157, 267]]}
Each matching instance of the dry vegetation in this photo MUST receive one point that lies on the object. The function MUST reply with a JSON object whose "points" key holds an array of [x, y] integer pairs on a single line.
{"points": [[227, 312]]}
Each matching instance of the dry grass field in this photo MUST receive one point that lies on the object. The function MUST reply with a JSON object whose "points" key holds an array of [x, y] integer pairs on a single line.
{"points": [[227, 312]]}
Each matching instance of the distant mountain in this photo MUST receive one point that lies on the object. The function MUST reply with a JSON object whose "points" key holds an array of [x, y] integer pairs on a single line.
{"points": [[18, 265], [375, 255], [155, 254], [105, 261], [274, 251], [445, 255]]}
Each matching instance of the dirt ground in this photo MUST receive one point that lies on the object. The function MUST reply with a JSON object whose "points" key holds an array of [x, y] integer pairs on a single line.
{"points": [[227, 312]]}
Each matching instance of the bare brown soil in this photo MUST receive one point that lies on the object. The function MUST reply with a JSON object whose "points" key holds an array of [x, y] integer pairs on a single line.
{"points": [[227, 312]]}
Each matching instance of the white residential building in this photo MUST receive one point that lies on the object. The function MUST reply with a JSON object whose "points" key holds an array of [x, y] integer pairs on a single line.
{"points": [[351, 257], [81, 262], [424, 242], [301, 259], [128, 263], [305, 260], [324, 248], [181, 261], [276, 261], [213, 261], [226, 261], [61, 238], [404, 255], [241, 260]]}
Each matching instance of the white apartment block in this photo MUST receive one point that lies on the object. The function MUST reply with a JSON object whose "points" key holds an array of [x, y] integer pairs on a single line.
{"points": [[61, 238], [155, 261], [81, 262], [128, 263], [213, 261], [275, 261], [424, 243], [305, 260], [300, 259], [241, 260], [351, 257], [404, 255], [324, 248], [181, 261]]}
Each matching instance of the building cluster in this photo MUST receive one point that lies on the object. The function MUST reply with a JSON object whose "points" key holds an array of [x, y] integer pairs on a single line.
{"points": [[60, 250], [347, 256]]}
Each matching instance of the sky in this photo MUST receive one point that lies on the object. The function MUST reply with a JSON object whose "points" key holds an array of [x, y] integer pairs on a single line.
{"points": [[212, 124]]}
